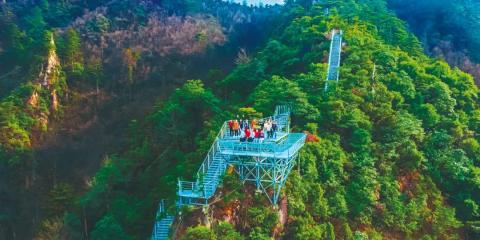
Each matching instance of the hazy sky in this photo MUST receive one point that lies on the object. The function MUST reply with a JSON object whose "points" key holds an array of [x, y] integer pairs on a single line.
{"points": [[264, 1]]}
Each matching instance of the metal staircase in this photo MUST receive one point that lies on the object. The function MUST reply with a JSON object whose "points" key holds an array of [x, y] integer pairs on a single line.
{"points": [[163, 222], [334, 58], [207, 178], [265, 164]]}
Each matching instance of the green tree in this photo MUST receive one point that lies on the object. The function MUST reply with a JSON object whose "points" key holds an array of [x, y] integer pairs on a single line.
{"points": [[199, 233], [268, 94], [61, 197], [51, 229], [361, 193], [429, 116], [130, 59], [347, 231], [258, 234], [173, 120], [330, 232], [35, 23], [262, 218], [225, 230], [107, 228], [73, 57], [14, 42]]}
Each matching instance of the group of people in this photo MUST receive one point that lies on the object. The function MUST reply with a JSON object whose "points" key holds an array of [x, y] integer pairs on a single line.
{"points": [[253, 131]]}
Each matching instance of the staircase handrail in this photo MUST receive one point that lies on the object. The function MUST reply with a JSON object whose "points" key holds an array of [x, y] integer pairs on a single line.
{"points": [[211, 152], [187, 186], [213, 182]]}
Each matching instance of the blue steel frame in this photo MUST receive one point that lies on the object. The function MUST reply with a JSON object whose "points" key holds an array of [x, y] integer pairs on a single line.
{"points": [[267, 166]]}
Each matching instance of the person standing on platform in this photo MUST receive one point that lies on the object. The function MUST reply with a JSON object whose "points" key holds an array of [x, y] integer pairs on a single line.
{"points": [[268, 128], [248, 135], [230, 126], [261, 136], [257, 135], [236, 128], [274, 129], [243, 137]]}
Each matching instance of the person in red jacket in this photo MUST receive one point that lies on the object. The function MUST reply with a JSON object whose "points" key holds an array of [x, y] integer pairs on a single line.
{"points": [[257, 135], [262, 136], [230, 126], [248, 135]]}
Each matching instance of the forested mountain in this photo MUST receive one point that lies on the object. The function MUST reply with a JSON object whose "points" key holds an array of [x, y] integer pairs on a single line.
{"points": [[105, 104], [449, 29], [73, 74]]}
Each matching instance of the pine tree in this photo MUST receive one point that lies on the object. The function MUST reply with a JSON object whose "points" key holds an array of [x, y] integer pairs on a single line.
{"points": [[72, 51]]}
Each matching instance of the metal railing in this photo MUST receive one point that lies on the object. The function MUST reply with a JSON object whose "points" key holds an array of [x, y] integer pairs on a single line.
{"points": [[210, 187], [183, 186], [201, 188], [161, 208], [282, 110], [291, 144], [212, 152]]}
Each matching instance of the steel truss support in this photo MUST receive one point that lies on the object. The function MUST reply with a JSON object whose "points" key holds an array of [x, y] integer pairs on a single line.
{"points": [[268, 174]]}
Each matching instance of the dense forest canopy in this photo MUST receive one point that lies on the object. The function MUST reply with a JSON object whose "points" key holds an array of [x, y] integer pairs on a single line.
{"points": [[74, 73], [393, 149], [449, 29]]}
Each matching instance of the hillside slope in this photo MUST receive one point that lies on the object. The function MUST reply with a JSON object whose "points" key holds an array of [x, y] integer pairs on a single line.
{"points": [[107, 65], [448, 29], [393, 149], [393, 155]]}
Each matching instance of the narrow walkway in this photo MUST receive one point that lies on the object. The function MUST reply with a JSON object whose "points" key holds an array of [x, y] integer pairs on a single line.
{"points": [[334, 58]]}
